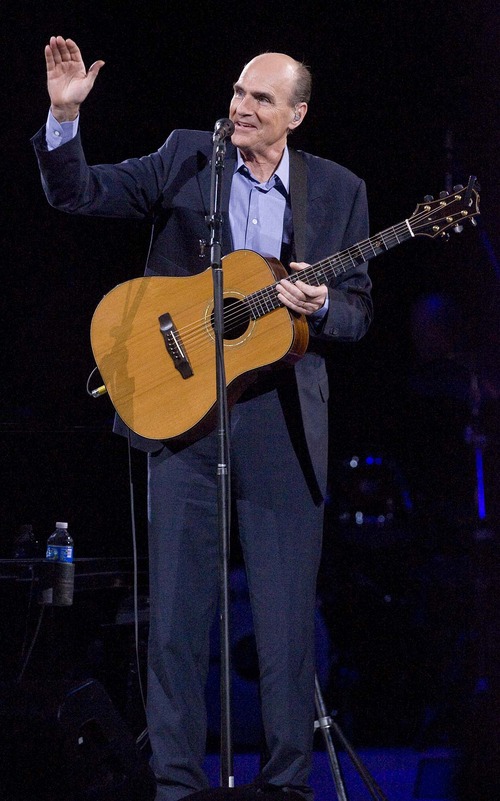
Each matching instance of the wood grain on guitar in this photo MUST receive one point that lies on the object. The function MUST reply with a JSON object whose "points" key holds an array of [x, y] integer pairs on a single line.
{"points": [[153, 339]]}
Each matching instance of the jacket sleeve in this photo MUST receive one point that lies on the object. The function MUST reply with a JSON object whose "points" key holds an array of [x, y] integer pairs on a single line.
{"points": [[350, 309], [129, 189]]}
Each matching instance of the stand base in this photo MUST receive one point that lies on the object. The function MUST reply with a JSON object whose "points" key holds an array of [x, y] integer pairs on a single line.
{"points": [[247, 793]]}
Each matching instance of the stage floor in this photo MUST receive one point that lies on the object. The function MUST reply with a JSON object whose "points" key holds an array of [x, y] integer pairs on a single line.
{"points": [[402, 774]]}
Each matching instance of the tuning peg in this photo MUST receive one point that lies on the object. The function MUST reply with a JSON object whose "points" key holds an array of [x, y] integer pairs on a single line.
{"points": [[458, 229], [473, 221], [457, 188], [428, 198], [444, 193], [445, 236]]}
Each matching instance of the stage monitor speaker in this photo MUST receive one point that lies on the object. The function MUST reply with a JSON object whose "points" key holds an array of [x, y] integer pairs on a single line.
{"points": [[63, 741]]}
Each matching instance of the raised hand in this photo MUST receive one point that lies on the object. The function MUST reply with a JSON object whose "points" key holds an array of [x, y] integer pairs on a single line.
{"points": [[68, 82]]}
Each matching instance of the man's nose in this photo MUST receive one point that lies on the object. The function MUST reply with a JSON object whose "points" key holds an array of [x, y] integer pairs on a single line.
{"points": [[245, 105]]}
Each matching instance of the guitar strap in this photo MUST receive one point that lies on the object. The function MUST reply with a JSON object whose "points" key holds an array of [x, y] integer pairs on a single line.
{"points": [[298, 201]]}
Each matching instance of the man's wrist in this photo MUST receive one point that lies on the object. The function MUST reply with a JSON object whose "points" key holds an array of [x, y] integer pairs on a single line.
{"points": [[58, 133], [67, 113]]}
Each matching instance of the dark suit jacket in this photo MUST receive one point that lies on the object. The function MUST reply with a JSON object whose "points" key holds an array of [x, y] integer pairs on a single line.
{"points": [[172, 188]]}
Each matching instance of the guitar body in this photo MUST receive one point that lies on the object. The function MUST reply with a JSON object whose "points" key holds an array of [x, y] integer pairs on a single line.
{"points": [[153, 338], [151, 394]]}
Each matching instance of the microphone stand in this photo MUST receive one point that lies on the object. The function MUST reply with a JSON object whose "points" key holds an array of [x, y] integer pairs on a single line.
{"points": [[223, 128]]}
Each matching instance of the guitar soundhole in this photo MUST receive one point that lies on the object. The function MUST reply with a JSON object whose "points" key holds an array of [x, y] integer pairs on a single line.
{"points": [[236, 318]]}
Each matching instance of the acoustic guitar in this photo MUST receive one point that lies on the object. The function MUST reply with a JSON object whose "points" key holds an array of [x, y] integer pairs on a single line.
{"points": [[153, 337]]}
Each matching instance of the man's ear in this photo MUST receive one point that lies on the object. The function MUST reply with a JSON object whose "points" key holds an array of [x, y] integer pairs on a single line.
{"points": [[299, 113]]}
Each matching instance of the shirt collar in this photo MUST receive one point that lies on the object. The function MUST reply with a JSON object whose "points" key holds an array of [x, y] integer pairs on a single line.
{"points": [[282, 170]]}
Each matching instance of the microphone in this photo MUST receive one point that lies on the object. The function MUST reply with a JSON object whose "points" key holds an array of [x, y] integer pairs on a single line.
{"points": [[223, 128]]}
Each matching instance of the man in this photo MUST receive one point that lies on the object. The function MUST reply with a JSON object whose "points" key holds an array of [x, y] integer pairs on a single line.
{"points": [[283, 204]]}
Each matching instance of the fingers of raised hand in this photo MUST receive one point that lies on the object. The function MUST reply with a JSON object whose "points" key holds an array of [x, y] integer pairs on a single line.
{"points": [[63, 50]]}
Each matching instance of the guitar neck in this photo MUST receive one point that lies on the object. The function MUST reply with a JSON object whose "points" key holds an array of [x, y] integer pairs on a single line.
{"points": [[266, 300], [346, 260]]}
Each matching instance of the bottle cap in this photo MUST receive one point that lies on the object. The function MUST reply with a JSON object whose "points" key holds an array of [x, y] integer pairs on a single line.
{"points": [[61, 525]]}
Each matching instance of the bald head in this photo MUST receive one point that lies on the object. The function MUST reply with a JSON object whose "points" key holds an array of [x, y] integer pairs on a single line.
{"points": [[286, 68]]}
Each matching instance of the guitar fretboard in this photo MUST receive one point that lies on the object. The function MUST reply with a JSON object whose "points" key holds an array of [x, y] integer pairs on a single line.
{"points": [[265, 300]]}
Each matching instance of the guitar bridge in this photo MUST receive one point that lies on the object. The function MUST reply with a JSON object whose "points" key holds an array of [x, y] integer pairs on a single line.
{"points": [[174, 346]]}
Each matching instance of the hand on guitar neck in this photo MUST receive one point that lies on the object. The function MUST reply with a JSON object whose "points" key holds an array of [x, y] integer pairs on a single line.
{"points": [[301, 297], [153, 340]]}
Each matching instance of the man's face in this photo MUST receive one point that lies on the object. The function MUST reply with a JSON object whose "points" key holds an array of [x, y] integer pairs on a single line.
{"points": [[260, 107]]}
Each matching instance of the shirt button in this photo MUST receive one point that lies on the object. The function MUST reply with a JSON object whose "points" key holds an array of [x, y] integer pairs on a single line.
{"points": [[57, 133], [254, 221]]}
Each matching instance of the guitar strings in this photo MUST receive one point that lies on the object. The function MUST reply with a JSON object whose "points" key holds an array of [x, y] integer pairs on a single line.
{"points": [[266, 297], [265, 300]]}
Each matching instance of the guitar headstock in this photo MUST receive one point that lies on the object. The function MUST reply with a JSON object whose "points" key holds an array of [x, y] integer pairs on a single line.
{"points": [[433, 217]]}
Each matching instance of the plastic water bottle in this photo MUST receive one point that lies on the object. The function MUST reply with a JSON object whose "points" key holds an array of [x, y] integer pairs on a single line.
{"points": [[59, 555]]}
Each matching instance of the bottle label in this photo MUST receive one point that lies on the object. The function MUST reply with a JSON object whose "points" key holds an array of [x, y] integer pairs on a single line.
{"points": [[59, 553]]}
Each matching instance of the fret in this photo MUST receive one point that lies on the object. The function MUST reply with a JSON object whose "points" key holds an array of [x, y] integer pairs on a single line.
{"points": [[330, 264], [259, 308], [381, 235], [273, 300], [254, 313], [315, 278], [266, 300], [263, 301], [348, 253], [363, 257]]}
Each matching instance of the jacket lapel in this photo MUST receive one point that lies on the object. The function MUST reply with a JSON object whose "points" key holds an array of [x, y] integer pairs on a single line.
{"points": [[298, 200], [227, 177]]}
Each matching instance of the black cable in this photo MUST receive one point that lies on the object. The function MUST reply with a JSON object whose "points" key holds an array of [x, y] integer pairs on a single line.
{"points": [[136, 577], [33, 641]]}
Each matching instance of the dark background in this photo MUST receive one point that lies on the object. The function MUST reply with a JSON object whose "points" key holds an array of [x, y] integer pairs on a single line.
{"points": [[405, 95]]}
